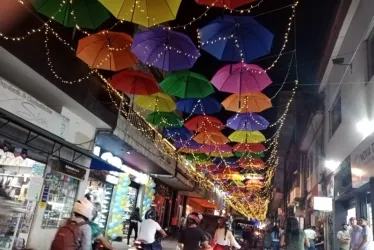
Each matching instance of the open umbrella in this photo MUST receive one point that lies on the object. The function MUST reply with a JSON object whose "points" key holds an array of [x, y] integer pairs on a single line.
{"points": [[225, 161], [249, 155], [89, 14], [145, 13], [212, 138], [249, 147], [187, 84], [216, 148], [158, 102], [247, 137], [165, 119], [165, 49], [249, 161], [247, 122], [244, 38], [231, 4], [98, 51], [197, 157], [220, 154], [241, 78], [134, 82], [204, 123], [207, 105], [246, 103], [187, 144], [178, 134]]}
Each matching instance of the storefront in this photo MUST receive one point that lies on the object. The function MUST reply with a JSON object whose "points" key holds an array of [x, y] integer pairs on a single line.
{"points": [[163, 201]]}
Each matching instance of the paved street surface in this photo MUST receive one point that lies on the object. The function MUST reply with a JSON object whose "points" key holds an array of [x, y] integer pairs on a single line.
{"points": [[166, 245]]}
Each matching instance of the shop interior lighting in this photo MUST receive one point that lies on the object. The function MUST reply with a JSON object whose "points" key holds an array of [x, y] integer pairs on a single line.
{"points": [[97, 150], [332, 165], [365, 127]]}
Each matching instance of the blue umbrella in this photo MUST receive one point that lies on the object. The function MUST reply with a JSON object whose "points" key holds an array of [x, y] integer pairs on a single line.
{"points": [[178, 134], [187, 144], [221, 161], [207, 105], [228, 37], [247, 122]]}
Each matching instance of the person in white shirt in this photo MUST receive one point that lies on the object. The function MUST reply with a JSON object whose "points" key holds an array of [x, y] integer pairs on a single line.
{"points": [[311, 235], [355, 233], [367, 235], [344, 237], [223, 237], [148, 229]]}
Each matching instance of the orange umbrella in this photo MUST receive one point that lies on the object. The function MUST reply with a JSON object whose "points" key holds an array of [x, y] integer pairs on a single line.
{"points": [[107, 50], [249, 147], [211, 138], [246, 103], [204, 123], [251, 163]]}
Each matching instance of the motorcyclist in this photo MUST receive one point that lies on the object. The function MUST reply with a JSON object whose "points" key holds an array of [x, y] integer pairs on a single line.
{"points": [[148, 229], [152, 210], [191, 236]]}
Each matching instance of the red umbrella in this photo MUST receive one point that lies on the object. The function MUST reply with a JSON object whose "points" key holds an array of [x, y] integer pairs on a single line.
{"points": [[209, 168], [227, 170], [249, 147], [204, 123], [231, 4], [216, 148], [135, 82]]}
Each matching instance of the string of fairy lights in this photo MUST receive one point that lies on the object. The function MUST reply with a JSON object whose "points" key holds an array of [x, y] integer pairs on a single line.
{"points": [[254, 207]]}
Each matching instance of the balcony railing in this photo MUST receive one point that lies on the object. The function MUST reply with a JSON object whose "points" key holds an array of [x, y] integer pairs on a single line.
{"points": [[295, 195]]}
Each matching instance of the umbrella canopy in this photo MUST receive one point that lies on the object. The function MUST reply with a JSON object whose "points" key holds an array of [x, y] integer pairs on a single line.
{"points": [[246, 39], [89, 14], [246, 103], [188, 150], [178, 134], [134, 82], [197, 157], [247, 122], [247, 137], [241, 78], [187, 144], [207, 105], [249, 155], [212, 138], [204, 123], [165, 49], [227, 170], [145, 13], [165, 119], [250, 161], [158, 102], [225, 161], [187, 84], [220, 154], [249, 147], [216, 148], [97, 50], [231, 4]]}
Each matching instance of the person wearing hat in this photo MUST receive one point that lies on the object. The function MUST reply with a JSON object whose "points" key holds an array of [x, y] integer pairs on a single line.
{"points": [[344, 238], [355, 233]]}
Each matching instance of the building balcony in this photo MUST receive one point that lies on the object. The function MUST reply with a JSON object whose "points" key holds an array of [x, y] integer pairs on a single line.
{"points": [[294, 196]]}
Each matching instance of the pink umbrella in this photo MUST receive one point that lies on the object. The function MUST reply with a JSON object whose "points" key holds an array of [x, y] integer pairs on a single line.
{"points": [[241, 78], [224, 148]]}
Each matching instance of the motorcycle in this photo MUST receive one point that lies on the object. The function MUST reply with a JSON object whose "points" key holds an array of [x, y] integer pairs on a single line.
{"points": [[98, 246], [141, 244]]}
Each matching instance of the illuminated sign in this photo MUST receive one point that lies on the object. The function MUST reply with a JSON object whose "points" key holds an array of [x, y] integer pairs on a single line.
{"points": [[322, 204]]}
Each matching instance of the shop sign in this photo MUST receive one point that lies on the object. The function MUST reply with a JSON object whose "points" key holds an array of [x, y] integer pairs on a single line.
{"points": [[26, 107], [105, 176], [362, 160], [71, 170], [47, 184]]}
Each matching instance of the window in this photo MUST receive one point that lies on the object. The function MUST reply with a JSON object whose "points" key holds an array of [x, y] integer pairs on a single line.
{"points": [[336, 115], [370, 49]]}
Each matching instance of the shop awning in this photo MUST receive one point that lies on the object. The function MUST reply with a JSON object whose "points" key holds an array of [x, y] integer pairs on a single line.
{"points": [[101, 165]]}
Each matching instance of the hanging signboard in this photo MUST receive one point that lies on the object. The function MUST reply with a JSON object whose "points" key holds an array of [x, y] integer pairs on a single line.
{"points": [[69, 169], [21, 104]]}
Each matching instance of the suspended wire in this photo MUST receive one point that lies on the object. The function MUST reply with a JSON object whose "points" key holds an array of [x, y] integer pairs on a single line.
{"points": [[285, 78]]}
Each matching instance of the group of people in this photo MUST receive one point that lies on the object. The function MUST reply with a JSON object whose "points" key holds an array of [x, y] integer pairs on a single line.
{"points": [[356, 236]]}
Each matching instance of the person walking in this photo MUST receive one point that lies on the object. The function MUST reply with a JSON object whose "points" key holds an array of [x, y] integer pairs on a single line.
{"points": [[275, 237], [311, 235], [355, 233], [293, 238], [223, 237], [134, 220], [344, 237], [367, 235]]}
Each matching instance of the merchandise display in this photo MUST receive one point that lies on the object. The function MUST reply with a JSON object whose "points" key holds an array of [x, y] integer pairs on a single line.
{"points": [[131, 204]]}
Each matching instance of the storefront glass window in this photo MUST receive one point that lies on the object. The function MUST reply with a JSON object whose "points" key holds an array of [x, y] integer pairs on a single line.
{"points": [[132, 195]]}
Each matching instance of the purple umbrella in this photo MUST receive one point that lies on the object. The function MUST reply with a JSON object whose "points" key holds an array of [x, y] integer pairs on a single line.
{"points": [[247, 122], [241, 78], [165, 49], [187, 144]]}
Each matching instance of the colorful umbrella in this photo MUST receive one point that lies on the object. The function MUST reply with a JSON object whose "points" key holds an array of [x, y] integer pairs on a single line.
{"points": [[212, 138], [244, 38], [247, 137], [89, 14], [145, 13], [165, 49], [134, 82], [187, 144], [207, 105], [250, 161], [249, 155], [98, 51], [225, 161], [158, 102], [246, 103], [216, 148], [220, 154], [226, 170], [165, 119], [247, 122], [249, 147], [204, 123], [231, 4], [178, 134], [187, 84], [241, 78], [197, 157]]}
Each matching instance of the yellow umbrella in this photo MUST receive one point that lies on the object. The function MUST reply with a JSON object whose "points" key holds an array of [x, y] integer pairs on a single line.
{"points": [[143, 12], [247, 137], [158, 102]]}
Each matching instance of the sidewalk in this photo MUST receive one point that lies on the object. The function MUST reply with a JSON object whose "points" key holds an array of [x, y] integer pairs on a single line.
{"points": [[166, 245]]}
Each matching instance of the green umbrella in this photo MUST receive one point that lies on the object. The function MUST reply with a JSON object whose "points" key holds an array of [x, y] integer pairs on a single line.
{"points": [[249, 155], [197, 157], [89, 14], [187, 84], [165, 119]]}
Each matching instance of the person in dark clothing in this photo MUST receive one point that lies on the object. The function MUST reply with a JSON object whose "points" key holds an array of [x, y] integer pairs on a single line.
{"points": [[192, 236], [134, 220]]}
